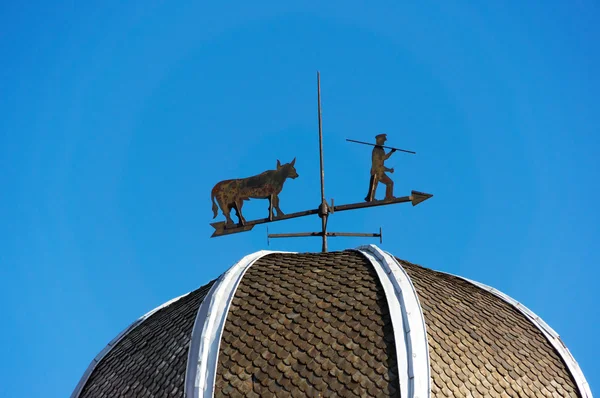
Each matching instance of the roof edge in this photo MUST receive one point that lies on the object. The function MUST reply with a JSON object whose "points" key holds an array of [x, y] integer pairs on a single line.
{"points": [[203, 353], [90, 369], [408, 321], [547, 331]]}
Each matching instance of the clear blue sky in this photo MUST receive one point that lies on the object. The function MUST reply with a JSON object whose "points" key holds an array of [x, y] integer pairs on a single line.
{"points": [[116, 119]]}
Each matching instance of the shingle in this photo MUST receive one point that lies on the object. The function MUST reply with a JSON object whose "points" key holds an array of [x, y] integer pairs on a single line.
{"points": [[317, 307], [481, 345], [318, 325], [151, 359]]}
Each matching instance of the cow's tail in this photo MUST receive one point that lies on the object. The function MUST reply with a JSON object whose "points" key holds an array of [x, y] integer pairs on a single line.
{"points": [[215, 208]]}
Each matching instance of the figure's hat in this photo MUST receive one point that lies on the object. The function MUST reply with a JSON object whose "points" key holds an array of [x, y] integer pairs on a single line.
{"points": [[378, 136]]}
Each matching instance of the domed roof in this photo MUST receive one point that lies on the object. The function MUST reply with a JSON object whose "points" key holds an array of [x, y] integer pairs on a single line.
{"points": [[351, 323]]}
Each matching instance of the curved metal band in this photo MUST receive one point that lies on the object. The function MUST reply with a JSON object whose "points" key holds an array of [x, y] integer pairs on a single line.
{"points": [[410, 333], [208, 327], [114, 342]]}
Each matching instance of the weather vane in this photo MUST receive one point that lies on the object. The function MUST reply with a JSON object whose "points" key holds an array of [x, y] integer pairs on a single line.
{"points": [[230, 195]]}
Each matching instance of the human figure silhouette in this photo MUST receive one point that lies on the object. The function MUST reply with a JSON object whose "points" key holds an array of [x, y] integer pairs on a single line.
{"points": [[378, 170]]}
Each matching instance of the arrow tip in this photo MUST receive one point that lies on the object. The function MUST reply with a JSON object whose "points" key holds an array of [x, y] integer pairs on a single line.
{"points": [[418, 197]]}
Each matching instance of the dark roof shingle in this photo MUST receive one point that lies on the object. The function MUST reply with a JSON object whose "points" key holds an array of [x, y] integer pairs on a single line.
{"points": [[149, 361], [481, 346], [308, 325], [318, 324]]}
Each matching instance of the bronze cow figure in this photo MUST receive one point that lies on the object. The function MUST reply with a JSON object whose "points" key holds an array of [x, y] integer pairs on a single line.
{"points": [[230, 194]]}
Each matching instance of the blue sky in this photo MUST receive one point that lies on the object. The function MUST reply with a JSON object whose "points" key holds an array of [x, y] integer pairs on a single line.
{"points": [[117, 119]]}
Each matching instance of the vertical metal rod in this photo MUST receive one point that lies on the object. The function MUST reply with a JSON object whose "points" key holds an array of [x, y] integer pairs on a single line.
{"points": [[323, 202]]}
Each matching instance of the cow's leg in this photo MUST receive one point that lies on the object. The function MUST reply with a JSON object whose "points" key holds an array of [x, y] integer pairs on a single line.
{"points": [[238, 209], [240, 215], [276, 205], [232, 206], [226, 209], [270, 197]]}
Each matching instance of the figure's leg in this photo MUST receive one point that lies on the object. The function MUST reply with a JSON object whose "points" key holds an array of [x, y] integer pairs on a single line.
{"points": [[369, 196], [372, 188], [276, 205], [375, 185], [389, 186]]}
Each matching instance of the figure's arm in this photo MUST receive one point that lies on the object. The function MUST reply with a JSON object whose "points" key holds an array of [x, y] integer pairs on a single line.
{"points": [[389, 154]]}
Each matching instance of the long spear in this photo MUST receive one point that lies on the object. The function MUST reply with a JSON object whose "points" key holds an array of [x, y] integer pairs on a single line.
{"points": [[383, 146]]}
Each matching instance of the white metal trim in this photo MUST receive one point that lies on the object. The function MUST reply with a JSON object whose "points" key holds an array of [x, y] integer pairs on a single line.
{"points": [[410, 331], [114, 342], [208, 328], [551, 335], [397, 318]]}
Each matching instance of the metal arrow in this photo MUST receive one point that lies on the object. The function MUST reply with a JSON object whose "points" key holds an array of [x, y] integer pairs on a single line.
{"points": [[222, 228]]}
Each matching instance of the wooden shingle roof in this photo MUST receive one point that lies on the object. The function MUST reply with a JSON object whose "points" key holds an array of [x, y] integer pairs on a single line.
{"points": [[319, 324], [308, 325], [149, 361], [481, 346]]}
